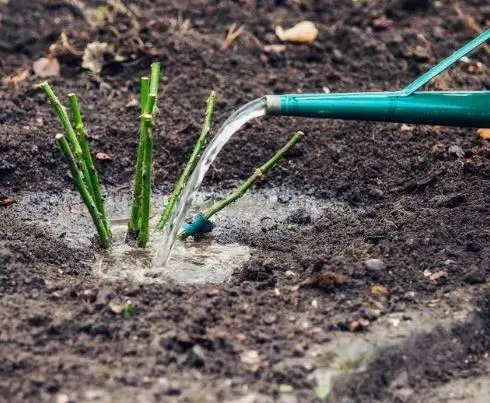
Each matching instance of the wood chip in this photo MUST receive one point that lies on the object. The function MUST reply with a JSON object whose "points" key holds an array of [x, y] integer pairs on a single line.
{"points": [[303, 32]]}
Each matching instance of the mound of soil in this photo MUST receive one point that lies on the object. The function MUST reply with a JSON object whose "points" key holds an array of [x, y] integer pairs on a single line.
{"points": [[421, 235]]}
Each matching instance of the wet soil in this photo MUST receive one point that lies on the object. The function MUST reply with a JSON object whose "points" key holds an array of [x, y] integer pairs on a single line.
{"points": [[420, 195]]}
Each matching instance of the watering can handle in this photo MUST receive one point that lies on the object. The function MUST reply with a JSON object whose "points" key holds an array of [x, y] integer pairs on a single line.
{"points": [[445, 64]]}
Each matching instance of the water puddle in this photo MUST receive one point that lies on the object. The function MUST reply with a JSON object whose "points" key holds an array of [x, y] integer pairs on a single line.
{"points": [[204, 262], [212, 260]]}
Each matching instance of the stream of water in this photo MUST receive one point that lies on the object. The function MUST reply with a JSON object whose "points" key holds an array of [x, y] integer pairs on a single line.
{"points": [[243, 115]]}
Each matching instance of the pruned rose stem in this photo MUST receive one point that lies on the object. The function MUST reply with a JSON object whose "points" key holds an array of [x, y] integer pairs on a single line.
{"points": [[77, 176], [93, 177], [242, 189], [142, 175], [60, 111], [191, 163]]}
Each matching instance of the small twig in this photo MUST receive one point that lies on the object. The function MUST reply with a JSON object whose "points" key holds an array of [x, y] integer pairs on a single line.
{"points": [[232, 34], [469, 22], [191, 164], [92, 178], [242, 189], [77, 176]]}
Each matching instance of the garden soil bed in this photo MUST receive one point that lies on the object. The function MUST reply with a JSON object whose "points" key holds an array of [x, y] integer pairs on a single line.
{"points": [[420, 196]]}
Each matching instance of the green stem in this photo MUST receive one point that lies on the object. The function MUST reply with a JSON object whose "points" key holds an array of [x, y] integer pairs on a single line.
{"points": [[147, 174], [93, 178], [60, 111], [240, 191], [77, 176], [133, 226], [191, 164], [146, 88], [144, 92]]}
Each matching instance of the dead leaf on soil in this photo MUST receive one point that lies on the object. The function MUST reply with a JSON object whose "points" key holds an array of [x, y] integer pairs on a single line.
{"points": [[103, 157], [302, 32], [7, 202], [16, 78], [62, 47], [325, 280], [438, 275], [378, 289], [46, 67], [484, 133], [93, 56]]}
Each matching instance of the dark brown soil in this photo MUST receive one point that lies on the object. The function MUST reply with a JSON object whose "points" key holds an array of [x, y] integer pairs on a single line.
{"points": [[423, 192]]}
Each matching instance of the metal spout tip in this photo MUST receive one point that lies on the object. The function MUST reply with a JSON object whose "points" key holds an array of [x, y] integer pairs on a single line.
{"points": [[273, 104]]}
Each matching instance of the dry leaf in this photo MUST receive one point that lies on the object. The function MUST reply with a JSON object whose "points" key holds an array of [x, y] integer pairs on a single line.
{"points": [[46, 67], [378, 289], [93, 56], [484, 133], [302, 32], [63, 47], [103, 157], [438, 275], [17, 77]]}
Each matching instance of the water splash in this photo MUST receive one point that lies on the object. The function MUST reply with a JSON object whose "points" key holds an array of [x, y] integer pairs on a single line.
{"points": [[248, 112], [200, 263]]}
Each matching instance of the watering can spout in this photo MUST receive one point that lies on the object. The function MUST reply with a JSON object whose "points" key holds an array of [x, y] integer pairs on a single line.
{"points": [[468, 109], [409, 105]]}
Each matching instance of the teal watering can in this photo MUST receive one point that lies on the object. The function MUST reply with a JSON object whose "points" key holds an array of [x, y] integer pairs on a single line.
{"points": [[448, 108]]}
